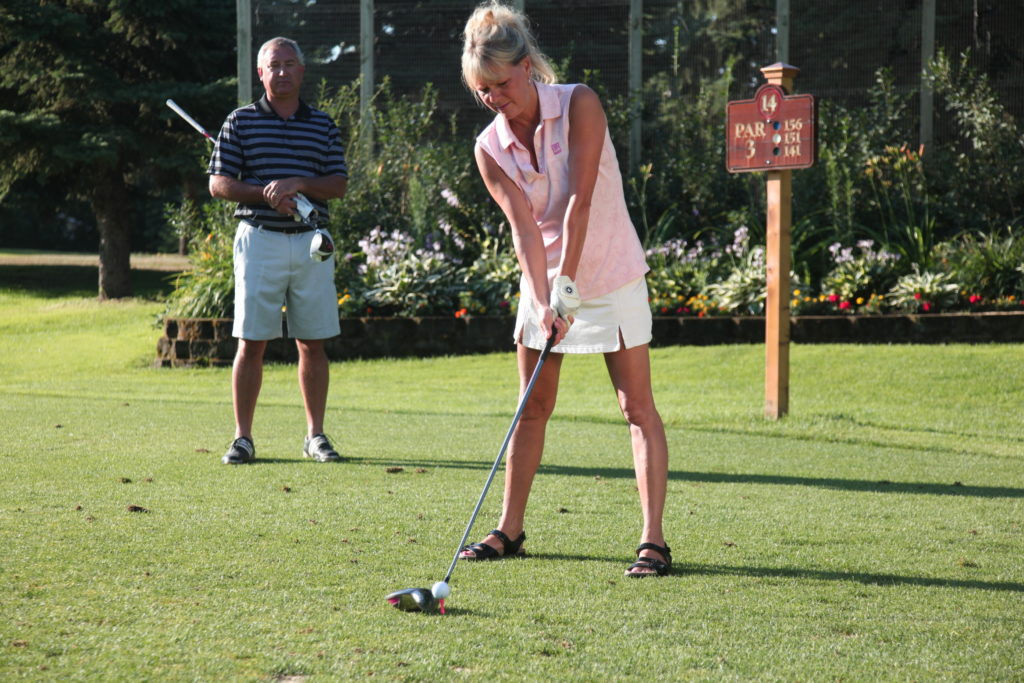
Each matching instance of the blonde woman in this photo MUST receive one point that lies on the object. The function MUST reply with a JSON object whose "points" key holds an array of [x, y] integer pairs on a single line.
{"points": [[548, 162]]}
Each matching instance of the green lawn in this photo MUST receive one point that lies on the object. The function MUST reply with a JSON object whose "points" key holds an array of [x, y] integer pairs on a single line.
{"points": [[875, 533]]}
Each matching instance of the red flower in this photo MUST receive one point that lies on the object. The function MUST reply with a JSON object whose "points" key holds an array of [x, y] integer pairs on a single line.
{"points": [[843, 305], [664, 309], [701, 314], [975, 298], [926, 306], [832, 298], [917, 295], [461, 312], [679, 310]]}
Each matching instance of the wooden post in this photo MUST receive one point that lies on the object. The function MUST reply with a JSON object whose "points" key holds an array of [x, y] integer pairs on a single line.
{"points": [[927, 55], [636, 82], [782, 30], [366, 75], [243, 41], [776, 334]]}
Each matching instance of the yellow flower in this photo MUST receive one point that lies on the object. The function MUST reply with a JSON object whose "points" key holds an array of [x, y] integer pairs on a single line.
{"points": [[796, 292], [860, 300]]}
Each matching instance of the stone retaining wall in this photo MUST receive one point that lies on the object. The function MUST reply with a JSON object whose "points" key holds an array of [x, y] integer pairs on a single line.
{"points": [[191, 342]]}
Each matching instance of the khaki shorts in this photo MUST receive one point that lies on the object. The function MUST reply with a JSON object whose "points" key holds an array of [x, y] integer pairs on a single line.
{"points": [[273, 269], [598, 322]]}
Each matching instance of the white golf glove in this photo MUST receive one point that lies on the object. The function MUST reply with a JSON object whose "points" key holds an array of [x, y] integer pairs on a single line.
{"points": [[322, 246], [565, 298]]}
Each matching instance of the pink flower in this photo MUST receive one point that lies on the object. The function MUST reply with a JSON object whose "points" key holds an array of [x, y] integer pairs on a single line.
{"points": [[917, 295], [833, 298], [843, 305], [975, 298], [926, 306]]}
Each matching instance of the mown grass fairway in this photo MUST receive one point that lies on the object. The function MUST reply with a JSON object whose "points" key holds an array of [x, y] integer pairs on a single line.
{"points": [[875, 534]]}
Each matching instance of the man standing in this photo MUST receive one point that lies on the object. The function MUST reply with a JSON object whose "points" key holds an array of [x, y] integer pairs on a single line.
{"points": [[270, 157]]}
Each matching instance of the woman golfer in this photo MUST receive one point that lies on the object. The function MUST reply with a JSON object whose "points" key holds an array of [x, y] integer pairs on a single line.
{"points": [[548, 161]]}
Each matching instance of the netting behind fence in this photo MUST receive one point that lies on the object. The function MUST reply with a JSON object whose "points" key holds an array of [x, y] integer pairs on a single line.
{"points": [[838, 44]]}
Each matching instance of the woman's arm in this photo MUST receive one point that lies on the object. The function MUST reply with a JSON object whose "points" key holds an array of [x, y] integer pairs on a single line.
{"points": [[526, 237], [587, 128]]}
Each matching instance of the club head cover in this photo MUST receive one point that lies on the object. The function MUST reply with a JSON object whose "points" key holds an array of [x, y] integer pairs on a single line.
{"points": [[565, 298], [305, 212], [413, 600], [322, 246]]}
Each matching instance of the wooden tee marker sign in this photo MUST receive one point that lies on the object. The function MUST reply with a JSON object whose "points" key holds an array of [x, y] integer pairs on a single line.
{"points": [[775, 133], [772, 131]]}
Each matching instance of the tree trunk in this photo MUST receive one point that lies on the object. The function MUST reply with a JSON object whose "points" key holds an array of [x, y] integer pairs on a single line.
{"points": [[111, 205]]}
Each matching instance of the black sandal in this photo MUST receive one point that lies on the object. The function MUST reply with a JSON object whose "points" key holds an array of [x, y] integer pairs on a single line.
{"points": [[482, 551], [660, 568]]}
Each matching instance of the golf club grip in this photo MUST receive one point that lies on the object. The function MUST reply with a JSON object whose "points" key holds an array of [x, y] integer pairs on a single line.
{"points": [[501, 452]]}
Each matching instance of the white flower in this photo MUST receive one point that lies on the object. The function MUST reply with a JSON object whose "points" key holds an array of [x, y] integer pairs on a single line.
{"points": [[450, 197]]}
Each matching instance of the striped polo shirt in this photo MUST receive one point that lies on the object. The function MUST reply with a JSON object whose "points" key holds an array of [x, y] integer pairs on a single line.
{"points": [[257, 146]]}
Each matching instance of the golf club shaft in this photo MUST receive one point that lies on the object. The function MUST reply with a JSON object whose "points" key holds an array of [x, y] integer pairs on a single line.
{"points": [[501, 452], [188, 119]]}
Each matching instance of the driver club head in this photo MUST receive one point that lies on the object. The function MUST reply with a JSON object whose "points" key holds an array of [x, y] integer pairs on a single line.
{"points": [[322, 246], [413, 600]]}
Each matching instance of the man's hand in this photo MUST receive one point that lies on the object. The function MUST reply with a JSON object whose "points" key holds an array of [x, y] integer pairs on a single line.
{"points": [[565, 298], [280, 196]]}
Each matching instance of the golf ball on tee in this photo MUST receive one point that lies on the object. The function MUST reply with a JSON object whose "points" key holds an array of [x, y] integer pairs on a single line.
{"points": [[440, 590]]}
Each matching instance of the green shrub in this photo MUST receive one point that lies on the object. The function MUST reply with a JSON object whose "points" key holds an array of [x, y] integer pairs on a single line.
{"points": [[986, 265], [860, 271], [926, 292], [206, 289]]}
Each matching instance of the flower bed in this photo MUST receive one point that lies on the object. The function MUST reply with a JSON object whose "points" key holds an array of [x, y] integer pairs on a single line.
{"points": [[189, 342]]}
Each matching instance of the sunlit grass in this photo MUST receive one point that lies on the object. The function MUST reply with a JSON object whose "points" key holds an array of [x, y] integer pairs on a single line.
{"points": [[875, 533]]}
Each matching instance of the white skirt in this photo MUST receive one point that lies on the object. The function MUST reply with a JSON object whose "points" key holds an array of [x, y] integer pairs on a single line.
{"points": [[599, 323]]}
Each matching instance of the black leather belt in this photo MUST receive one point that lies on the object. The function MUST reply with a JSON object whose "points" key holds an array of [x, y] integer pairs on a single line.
{"points": [[286, 231]]}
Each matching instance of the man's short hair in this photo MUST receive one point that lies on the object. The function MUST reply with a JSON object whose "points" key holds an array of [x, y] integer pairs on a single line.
{"points": [[280, 41]]}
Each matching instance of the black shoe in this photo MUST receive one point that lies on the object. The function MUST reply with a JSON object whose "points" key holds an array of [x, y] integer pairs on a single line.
{"points": [[242, 451], [320, 449]]}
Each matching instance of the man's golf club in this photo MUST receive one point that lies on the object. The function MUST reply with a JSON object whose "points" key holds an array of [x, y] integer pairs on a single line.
{"points": [[305, 211], [426, 599]]}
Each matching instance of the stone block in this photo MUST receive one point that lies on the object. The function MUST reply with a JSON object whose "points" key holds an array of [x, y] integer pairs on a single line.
{"points": [[188, 343]]}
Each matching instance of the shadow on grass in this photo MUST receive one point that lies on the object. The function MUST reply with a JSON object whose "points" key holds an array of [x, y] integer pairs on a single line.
{"points": [[56, 281], [867, 578], [681, 570], [863, 485]]}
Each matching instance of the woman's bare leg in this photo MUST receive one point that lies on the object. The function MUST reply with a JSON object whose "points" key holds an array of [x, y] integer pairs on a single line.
{"points": [[630, 372], [527, 444]]}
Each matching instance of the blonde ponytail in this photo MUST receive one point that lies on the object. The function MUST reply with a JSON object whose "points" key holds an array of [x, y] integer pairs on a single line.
{"points": [[498, 35]]}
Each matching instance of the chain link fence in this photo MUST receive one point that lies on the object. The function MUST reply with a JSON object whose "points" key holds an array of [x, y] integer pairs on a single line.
{"points": [[838, 45]]}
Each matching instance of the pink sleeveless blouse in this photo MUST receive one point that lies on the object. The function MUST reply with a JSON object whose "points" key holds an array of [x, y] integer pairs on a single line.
{"points": [[612, 255]]}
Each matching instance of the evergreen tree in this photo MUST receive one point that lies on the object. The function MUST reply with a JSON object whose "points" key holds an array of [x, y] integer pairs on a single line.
{"points": [[82, 91]]}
